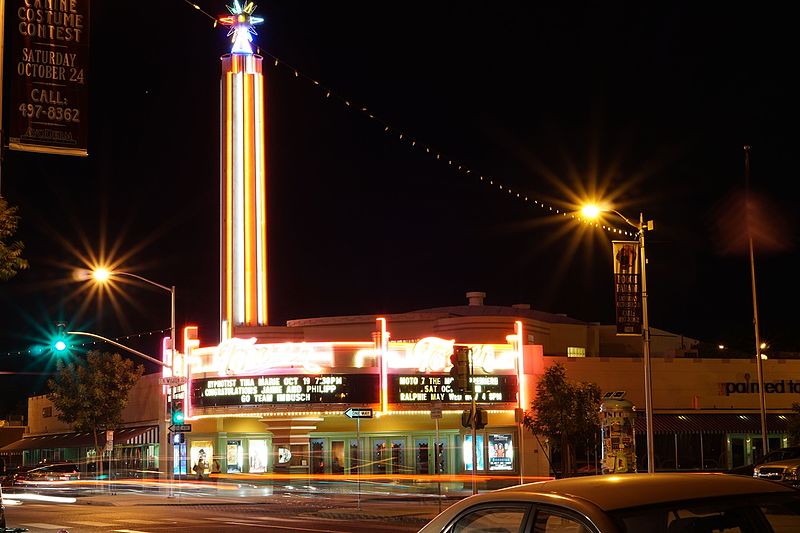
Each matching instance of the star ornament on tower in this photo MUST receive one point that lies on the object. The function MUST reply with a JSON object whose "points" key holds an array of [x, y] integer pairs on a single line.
{"points": [[241, 22]]}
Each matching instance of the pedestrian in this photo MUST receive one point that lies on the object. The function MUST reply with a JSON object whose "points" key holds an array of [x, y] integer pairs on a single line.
{"points": [[199, 468]]}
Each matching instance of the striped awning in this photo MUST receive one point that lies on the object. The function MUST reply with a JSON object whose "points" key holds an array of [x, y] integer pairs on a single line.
{"points": [[711, 423], [123, 436]]}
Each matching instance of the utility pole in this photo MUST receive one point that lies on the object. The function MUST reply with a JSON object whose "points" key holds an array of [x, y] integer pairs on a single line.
{"points": [[474, 426], [759, 363]]}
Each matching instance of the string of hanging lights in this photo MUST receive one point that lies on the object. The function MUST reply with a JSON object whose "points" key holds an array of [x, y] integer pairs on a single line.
{"points": [[412, 142]]}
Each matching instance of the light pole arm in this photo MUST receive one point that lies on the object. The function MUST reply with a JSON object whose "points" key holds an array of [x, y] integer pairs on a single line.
{"points": [[639, 227], [115, 343], [140, 278]]}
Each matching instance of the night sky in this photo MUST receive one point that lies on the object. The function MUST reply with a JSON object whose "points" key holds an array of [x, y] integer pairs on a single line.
{"points": [[646, 108]]}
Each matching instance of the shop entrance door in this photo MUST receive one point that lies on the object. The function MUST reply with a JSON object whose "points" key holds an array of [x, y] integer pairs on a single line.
{"points": [[422, 455], [379, 456], [738, 452], [398, 463]]}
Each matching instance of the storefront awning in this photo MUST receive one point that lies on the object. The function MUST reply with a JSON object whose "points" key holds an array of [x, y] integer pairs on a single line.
{"points": [[711, 423], [140, 435]]}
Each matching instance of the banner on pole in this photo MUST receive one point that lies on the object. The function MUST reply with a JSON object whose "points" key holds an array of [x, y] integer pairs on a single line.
{"points": [[627, 289], [49, 86]]}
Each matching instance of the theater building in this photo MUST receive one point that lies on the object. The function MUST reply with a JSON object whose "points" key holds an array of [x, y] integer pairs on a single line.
{"points": [[274, 399]]}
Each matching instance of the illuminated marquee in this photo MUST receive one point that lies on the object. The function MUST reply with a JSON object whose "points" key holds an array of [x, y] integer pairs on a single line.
{"points": [[432, 354], [432, 388], [238, 357], [287, 389]]}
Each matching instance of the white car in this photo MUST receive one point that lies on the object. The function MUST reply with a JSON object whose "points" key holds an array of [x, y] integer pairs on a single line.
{"points": [[628, 503], [786, 471]]}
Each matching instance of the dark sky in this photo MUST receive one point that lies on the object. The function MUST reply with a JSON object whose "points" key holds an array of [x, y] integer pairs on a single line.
{"points": [[646, 107]]}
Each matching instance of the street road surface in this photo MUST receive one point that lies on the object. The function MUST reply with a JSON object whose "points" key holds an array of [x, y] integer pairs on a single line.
{"points": [[77, 518]]}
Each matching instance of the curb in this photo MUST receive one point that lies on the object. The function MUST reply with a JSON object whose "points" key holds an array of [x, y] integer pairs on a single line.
{"points": [[368, 516]]}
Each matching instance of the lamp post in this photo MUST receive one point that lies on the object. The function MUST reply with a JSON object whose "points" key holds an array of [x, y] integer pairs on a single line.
{"points": [[591, 211], [102, 275]]}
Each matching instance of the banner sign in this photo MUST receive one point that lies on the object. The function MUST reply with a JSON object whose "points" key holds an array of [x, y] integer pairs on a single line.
{"points": [[627, 292], [49, 86], [286, 389], [425, 388]]}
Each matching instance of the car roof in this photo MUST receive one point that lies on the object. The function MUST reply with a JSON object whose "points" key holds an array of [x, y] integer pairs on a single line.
{"points": [[610, 492], [785, 462]]}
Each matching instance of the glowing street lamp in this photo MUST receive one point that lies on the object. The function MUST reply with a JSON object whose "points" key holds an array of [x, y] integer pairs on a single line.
{"points": [[103, 275], [592, 212]]}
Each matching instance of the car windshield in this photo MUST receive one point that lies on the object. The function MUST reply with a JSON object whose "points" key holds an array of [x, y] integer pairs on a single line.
{"points": [[746, 514]]}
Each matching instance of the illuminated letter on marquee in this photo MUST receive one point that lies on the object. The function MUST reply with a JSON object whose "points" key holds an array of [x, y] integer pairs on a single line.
{"points": [[432, 354], [240, 357]]}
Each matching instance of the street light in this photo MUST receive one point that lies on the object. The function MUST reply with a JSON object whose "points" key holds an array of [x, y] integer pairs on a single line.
{"points": [[591, 212], [103, 275]]}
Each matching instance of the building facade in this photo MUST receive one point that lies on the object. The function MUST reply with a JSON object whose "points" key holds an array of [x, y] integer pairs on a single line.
{"points": [[276, 399]]}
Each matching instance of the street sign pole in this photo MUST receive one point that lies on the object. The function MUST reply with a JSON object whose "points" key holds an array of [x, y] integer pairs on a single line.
{"points": [[358, 460], [436, 466], [358, 414]]}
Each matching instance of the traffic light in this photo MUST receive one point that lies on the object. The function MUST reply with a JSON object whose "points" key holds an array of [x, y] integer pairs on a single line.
{"points": [[481, 418], [178, 438], [466, 418], [177, 412], [460, 369], [58, 343]]}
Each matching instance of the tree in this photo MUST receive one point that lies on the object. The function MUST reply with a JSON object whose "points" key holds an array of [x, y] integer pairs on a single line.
{"points": [[92, 394], [564, 413], [793, 425], [11, 261]]}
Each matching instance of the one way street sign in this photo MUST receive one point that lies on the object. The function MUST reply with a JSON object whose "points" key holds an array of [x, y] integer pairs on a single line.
{"points": [[180, 428], [353, 412]]}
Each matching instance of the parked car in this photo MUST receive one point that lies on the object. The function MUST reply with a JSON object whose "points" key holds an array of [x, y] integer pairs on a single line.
{"points": [[628, 503], [48, 472], [786, 471], [790, 452], [7, 480]]}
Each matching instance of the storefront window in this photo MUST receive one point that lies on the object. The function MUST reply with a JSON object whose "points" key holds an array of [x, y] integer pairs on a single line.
{"points": [[317, 456], [467, 451], [501, 452], [234, 456], [299, 455], [200, 456], [179, 459], [258, 456], [738, 452], [664, 448], [355, 459], [688, 447], [714, 451], [337, 457]]}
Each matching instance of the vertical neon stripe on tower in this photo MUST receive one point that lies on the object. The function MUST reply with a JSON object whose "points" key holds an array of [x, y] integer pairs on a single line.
{"points": [[261, 198], [244, 277]]}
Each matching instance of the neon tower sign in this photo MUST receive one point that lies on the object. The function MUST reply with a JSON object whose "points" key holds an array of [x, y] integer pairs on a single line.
{"points": [[243, 287]]}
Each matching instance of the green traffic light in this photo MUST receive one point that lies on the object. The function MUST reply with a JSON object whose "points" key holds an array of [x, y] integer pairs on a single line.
{"points": [[177, 417], [60, 345]]}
